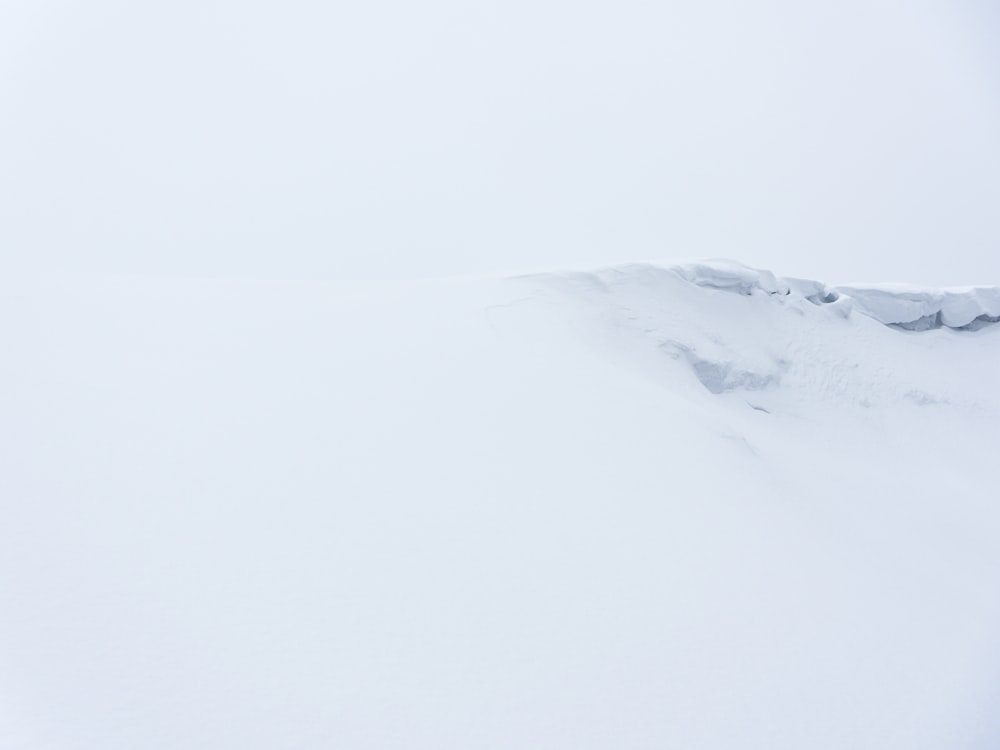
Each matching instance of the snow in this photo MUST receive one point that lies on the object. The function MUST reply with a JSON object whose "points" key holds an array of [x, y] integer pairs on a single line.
{"points": [[697, 506], [916, 308], [731, 276]]}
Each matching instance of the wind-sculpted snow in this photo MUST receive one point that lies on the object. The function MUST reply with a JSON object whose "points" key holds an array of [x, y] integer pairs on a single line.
{"points": [[743, 329], [730, 276], [899, 305], [916, 309], [696, 506]]}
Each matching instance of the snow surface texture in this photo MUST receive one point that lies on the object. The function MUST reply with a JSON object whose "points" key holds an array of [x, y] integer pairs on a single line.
{"points": [[693, 506]]}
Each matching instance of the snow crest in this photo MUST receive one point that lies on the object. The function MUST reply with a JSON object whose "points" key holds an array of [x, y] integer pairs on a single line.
{"points": [[902, 306], [918, 309]]}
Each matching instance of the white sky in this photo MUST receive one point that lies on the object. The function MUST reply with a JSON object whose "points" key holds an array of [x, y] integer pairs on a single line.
{"points": [[839, 140]]}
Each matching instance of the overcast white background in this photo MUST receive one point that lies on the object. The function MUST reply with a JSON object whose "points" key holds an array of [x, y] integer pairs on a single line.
{"points": [[840, 140]]}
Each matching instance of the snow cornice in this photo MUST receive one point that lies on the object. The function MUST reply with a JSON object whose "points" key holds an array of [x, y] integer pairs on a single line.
{"points": [[902, 306]]}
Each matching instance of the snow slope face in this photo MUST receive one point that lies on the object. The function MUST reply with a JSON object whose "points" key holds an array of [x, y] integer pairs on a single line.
{"points": [[696, 506], [765, 338]]}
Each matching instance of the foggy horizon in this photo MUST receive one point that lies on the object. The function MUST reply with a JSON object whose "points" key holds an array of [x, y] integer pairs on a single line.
{"points": [[843, 142]]}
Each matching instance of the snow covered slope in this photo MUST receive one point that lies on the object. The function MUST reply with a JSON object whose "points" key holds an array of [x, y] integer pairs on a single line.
{"points": [[696, 506]]}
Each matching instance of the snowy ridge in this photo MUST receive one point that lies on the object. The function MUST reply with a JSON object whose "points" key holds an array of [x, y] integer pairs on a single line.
{"points": [[902, 306], [916, 309], [756, 335]]}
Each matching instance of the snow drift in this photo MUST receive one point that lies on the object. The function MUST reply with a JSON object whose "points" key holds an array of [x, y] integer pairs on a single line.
{"points": [[695, 506]]}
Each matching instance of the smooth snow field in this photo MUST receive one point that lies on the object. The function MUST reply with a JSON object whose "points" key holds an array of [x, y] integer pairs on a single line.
{"points": [[691, 507]]}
